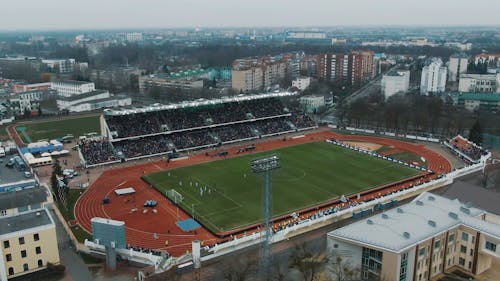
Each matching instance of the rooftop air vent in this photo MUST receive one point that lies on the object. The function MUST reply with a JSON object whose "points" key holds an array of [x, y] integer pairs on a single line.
{"points": [[431, 198], [369, 222], [465, 210], [399, 210], [406, 235], [431, 223], [453, 215], [385, 216], [420, 203]]}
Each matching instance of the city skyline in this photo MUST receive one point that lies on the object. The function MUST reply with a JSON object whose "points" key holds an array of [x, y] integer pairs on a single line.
{"points": [[113, 14]]}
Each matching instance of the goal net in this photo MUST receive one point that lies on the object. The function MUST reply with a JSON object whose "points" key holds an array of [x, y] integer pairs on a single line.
{"points": [[175, 196]]}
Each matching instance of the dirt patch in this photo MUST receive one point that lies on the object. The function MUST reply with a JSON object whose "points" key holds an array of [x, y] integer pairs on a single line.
{"points": [[370, 146]]}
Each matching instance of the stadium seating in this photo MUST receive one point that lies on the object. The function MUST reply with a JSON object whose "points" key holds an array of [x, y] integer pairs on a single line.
{"points": [[468, 148], [97, 151], [149, 133]]}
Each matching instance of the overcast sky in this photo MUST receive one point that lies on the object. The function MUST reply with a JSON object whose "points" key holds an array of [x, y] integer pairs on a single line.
{"points": [[104, 14]]}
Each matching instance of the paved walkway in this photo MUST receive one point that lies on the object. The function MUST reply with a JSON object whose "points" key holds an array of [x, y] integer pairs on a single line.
{"points": [[75, 267]]}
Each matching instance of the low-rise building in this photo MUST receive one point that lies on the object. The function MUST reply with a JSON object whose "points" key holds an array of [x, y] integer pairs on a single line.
{"points": [[60, 65], [479, 101], [397, 81], [312, 103], [483, 83], [92, 100], [167, 81], [19, 88], [420, 240], [69, 88], [301, 83], [28, 243]]}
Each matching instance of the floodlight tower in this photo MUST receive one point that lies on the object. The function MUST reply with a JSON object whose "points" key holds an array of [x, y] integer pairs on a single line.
{"points": [[265, 166]]}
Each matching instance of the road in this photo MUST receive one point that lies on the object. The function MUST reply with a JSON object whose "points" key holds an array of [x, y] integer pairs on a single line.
{"points": [[75, 267]]}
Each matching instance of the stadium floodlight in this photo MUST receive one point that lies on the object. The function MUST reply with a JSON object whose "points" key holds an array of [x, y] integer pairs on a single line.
{"points": [[265, 164]]}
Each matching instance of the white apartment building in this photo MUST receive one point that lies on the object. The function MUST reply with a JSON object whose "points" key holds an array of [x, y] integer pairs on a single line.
{"points": [[60, 65], [433, 78], [483, 83], [70, 88], [419, 241], [456, 67], [395, 82], [301, 83]]}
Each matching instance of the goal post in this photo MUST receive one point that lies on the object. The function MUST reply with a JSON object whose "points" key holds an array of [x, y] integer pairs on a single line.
{"points": [[175, 196]]}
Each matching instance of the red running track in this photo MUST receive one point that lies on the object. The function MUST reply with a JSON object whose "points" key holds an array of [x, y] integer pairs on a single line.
{"points": [[142, 227]]}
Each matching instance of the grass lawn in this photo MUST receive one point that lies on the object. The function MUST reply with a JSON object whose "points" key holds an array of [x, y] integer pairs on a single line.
{"points": [[80, 234], [310, 174], [67, 211], [59, 128]]}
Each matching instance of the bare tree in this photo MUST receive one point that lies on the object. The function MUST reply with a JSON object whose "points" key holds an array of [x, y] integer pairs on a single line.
{"points": [[239, 270], [341, 270], [309, 264]]}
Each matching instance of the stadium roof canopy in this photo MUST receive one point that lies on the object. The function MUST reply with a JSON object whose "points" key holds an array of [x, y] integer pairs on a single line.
{"points": [[196, 103]]}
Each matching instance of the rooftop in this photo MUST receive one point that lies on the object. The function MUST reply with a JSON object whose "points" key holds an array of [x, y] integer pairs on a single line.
{"points": [[82, 96], [10, 224], [468, 190], [10, 175], [480, 96], [424, 217], [22, 198], [199, 102], [73, 82]]}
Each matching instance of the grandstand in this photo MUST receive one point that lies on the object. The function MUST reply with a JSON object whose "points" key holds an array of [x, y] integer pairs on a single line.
{"points": [[466, 149], [161, 129]]}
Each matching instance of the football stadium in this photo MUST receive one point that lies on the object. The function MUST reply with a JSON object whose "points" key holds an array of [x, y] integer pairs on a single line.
{"points": [[182, 172]]}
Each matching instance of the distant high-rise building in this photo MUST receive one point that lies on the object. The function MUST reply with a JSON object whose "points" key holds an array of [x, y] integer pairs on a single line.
{"points": [[395, 82], [433, 77], [134, 37], [354, 68], [457, 66]]}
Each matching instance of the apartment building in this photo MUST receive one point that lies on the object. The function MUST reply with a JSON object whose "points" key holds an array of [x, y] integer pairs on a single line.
{"points": [[420, 240], [482, 83], [60, 65], [255, 74], [355, 68], [456, 67], [433, 79], [397, 81], [167, 81]]}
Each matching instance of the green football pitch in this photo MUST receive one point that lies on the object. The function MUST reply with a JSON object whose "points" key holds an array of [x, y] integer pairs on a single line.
{"points": [[226, 194]]}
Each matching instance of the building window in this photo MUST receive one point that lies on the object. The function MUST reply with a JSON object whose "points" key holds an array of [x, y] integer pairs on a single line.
{"points": [[38, 250], [8, 257], [21, 240], [421, 252], [6, 244], [437, 244], [471, 252], [40, 263], [26, 267], [36, 237], [490, 246], [465, 236], [470, 265], [463, 249], [11, 271], [461, 261], [23, 253], [3, 213]]}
